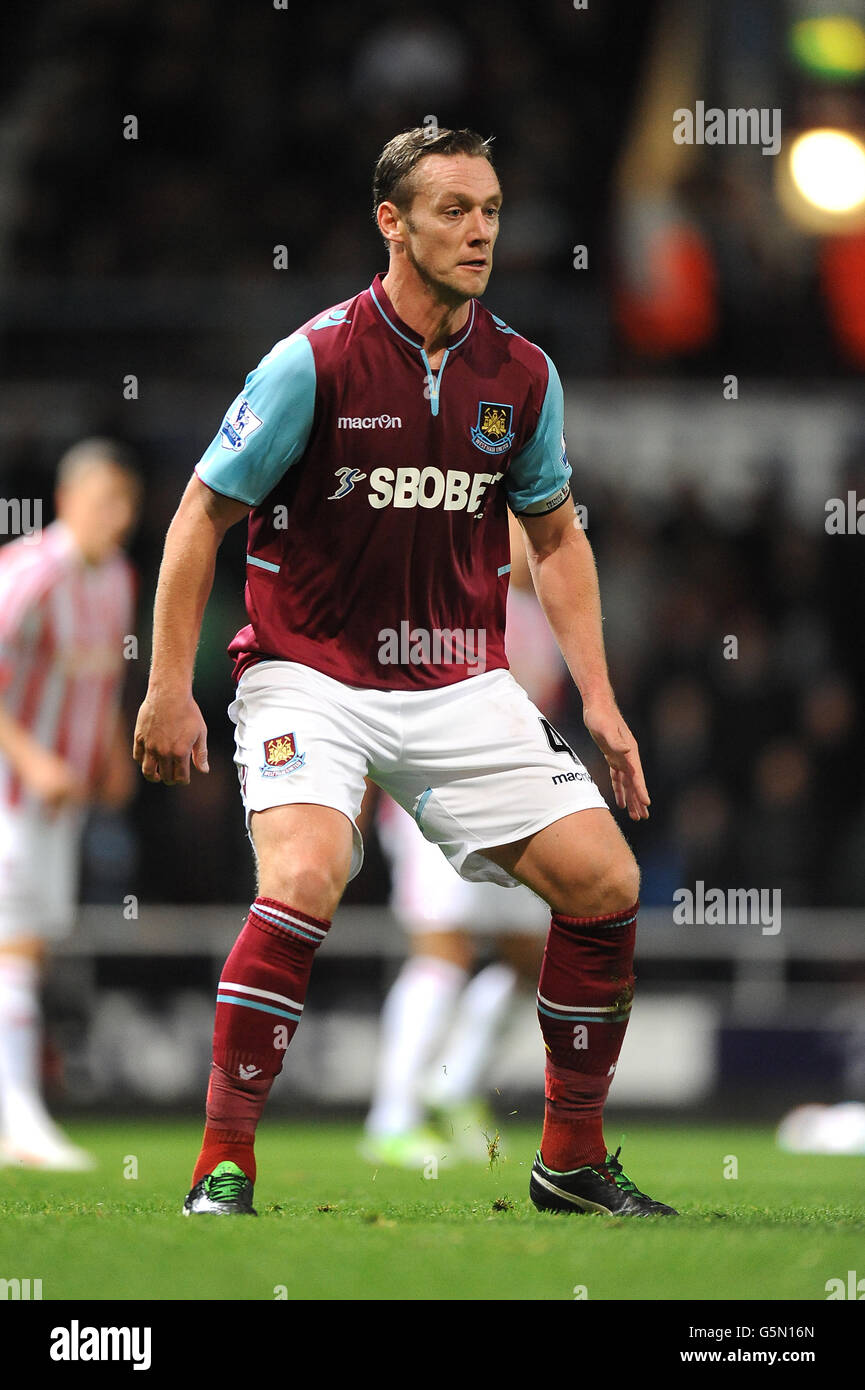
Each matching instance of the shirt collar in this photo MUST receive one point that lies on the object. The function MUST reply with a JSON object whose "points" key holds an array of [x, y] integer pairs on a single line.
{"points": [[383, 305]]}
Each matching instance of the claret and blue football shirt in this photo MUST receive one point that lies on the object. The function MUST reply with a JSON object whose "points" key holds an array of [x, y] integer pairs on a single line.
{"points": [[379, 492]]}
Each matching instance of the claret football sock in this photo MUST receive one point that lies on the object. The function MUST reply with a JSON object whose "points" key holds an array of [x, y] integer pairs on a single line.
{"points": [[259, 1004], [234, 1108], [584, 1002]]}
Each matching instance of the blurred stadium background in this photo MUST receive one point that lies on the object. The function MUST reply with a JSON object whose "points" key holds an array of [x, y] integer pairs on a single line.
{"points": [[153, 258]]}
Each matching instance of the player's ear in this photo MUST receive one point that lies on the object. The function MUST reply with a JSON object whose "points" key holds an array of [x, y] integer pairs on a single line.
{"points": [[390, 222]]}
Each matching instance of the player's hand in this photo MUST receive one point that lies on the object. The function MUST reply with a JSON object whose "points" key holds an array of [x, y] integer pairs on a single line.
{"points": [[619, 747], [53, 781], [169, 732]]}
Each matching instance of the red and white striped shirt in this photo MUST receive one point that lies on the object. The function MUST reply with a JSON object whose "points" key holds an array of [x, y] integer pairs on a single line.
{"points": [[62, 626]]}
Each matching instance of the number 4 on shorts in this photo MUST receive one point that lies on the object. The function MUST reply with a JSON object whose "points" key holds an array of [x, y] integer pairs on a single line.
{"points": [[555, 740]]}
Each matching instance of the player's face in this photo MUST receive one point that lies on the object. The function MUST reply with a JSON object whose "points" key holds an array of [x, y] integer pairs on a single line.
{"points": [[451, 227], [100, 507]]}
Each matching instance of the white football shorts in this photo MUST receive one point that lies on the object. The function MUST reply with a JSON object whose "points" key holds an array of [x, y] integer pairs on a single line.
{"points": [[473, 762], [39, 872]]}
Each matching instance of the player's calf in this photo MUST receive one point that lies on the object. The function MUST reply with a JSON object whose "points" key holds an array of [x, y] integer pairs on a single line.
{"points": [[584, 1002], [259, 1004]]}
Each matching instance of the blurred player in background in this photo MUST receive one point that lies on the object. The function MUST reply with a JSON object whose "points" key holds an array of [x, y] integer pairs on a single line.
{"points": [[66, 604], [440, 1026]]}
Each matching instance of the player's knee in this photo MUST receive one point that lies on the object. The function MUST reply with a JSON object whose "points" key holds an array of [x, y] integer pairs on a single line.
{"points": [[614, 889], [621, 887], [313, 887]]}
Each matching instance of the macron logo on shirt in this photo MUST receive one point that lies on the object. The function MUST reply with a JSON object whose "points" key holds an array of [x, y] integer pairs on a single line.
{"points": [[369, 422]]}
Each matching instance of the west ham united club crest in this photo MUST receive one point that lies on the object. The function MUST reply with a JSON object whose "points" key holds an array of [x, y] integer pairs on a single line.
{"points": [[281, 756], [493, 434]]}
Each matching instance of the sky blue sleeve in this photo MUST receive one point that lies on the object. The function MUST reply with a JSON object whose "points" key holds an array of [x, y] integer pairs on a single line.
{"points": [[538, 479], [266, 427]]}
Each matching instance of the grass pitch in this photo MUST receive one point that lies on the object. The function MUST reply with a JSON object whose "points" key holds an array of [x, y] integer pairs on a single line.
{"points": [[331, 1226]]}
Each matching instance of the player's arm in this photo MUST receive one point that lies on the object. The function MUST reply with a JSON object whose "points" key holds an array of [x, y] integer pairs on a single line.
{"points": [[44, 773], [170, 728], [264, 433], [566, 583]]}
